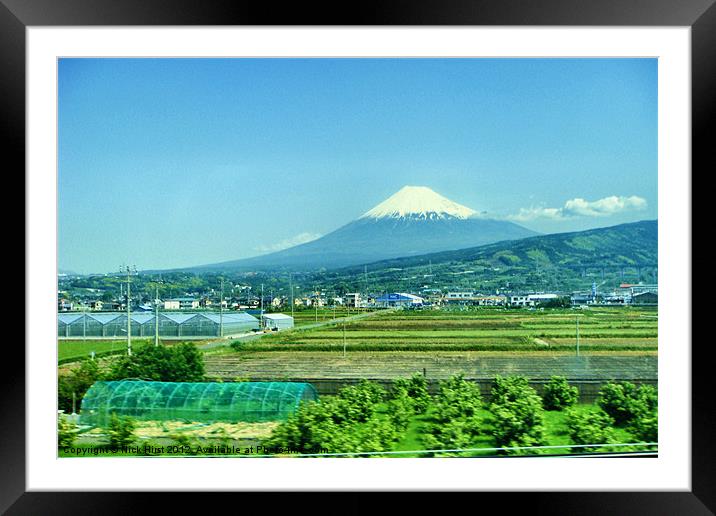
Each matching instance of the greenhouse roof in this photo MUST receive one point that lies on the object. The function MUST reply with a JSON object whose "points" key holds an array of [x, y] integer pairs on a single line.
{"points": [[178, 318], [105, 317], [231, 317], [68, 318], [142, 318], [193, 401]]}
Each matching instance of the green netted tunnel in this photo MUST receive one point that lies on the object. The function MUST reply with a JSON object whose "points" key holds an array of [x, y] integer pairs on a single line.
{"points": [[208, 402]]}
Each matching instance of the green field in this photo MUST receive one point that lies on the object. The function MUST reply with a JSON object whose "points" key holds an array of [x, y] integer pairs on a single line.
{"points": [[600, 329], [618, 342], [306, 316], [556, 434], [69, 350]]}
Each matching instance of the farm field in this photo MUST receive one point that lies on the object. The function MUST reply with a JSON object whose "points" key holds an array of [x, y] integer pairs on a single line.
{"points": [[68, 350], [74, 350], [304, 317], [386, 365], [620, 342], [600, 329]]}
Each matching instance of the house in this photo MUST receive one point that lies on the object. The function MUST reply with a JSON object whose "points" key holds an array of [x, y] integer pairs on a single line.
{"points": [[353, 300], [496, 300], [459, 297], [473, 299], [181, 303], [615, 299], [581, 299], [317, 301], [520, 300]]}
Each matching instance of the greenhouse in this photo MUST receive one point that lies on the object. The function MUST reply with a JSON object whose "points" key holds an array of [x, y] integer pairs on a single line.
{"points": [[171, 324], [205, 402]]}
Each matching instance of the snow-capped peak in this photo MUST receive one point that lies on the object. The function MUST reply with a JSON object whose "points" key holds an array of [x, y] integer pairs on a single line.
{"points": [[419, 202]]}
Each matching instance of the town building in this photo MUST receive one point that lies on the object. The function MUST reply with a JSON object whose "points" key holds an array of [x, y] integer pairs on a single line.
{"points": [[353, 300], [399, 299], [520, 300], [645, 298], [536, 299], [474, 299], [181, 303], [277, 322]]}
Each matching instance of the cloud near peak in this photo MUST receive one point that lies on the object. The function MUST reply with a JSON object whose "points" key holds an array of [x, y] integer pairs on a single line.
{"points": [[301, 238], [579, 207]]}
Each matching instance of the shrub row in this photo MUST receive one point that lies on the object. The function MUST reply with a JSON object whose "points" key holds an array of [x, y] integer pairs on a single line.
{"points": [[518, 415], [347, 423]]}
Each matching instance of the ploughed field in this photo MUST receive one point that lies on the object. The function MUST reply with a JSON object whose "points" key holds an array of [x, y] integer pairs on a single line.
{"points": [[600, 329], [387, 365], [618, 342]]}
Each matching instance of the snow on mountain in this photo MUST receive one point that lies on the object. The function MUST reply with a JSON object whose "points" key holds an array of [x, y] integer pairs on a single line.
{"points": [[415, 220], [418, 202]]}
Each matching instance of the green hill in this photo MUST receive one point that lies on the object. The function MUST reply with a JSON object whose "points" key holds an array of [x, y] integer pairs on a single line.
{"points": [[562, 261]]}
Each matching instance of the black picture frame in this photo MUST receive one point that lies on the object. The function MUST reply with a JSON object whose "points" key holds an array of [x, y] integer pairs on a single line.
{"points": [[700, 15]]}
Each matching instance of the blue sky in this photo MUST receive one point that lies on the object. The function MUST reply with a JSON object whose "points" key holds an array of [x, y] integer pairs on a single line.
{"points": [[177, 162]]}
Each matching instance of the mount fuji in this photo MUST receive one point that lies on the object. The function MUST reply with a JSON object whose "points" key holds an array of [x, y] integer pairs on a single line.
{"points": [[415, 220]]}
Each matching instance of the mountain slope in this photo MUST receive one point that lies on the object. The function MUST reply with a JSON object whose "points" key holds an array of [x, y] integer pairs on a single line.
{"points": [[556, 262], [626, 245], [413, 221]]}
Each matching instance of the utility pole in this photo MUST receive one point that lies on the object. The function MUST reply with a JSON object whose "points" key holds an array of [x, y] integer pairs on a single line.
{"points": [[156, 315], [577, 321], [221, 309], [129, 271], [344, 338], [261, 322], [315, 302], [290, 284]]}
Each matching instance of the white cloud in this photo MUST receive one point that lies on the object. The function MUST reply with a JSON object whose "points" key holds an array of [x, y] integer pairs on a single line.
{"points": [[526, 214], [603, 207], [579, 207], [301, 238]]}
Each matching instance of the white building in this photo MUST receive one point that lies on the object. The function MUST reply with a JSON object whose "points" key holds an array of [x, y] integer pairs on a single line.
{"points": [[541, 298], [353, 300], [181, 303], [457, 296], [277, 321], [519, 300]]}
